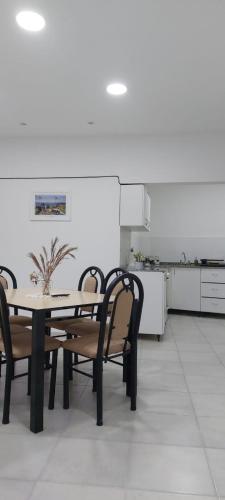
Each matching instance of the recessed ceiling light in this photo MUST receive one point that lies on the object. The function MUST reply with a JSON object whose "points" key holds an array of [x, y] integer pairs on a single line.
{"points": [[30, 21], [116, 88]]}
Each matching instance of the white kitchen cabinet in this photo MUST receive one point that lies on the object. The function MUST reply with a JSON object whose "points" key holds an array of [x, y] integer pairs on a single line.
{"points": [[216, 290], [134, 207], [213, 275], [185, 289], [213, 305], [213, 290], [154, 310]]}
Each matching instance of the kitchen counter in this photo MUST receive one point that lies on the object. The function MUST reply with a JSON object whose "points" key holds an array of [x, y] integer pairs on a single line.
{"points": [[190, 265], [163, 266]]}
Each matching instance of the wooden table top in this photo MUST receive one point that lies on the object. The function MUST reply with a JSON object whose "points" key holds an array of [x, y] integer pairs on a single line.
{"points": [[32, 299]]}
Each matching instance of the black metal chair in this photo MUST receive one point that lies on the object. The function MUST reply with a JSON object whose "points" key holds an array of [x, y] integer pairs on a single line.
{"points": [[117, 336], [18, 347], [91, 280], [17, 322], [5, 275], [91, 324], [114, 273]]}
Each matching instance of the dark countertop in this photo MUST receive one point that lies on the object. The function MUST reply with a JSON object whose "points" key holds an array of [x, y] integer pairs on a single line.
{"points": [[163, 266], [190, 265]]}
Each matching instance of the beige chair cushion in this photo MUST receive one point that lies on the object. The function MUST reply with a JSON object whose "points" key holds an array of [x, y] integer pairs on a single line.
{"points": [[83, 326], [22, 345], [73, 325], [20, 320], [90, 285], [60, 324], [15, 329], [3, 282], [87, 346]]}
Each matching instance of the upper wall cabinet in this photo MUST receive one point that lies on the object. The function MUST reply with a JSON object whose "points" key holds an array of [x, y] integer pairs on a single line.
{"points": [[135, 207]]}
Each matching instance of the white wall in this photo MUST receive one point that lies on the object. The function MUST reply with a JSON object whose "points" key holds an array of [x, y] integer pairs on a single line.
{"points": [[190, 158], [185, 217], [94, 226], [125, 245]]}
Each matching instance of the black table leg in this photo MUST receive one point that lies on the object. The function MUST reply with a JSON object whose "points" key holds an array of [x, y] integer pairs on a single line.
{"points": [[47, 332], [37, 372]]}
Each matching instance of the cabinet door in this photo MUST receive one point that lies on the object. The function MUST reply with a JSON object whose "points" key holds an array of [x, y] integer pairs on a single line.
{"points": [[134, 207], [152, 319], [186, 289]]}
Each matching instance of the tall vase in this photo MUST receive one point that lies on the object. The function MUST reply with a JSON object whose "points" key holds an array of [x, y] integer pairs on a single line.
{"points": [[46, 286]]}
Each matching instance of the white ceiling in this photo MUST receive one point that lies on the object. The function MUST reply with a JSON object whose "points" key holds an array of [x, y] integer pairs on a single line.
{"points": [[170, 53]]}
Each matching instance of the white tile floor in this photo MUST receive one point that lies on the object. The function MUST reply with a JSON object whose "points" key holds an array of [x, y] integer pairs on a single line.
{"points": [[171, 448]]}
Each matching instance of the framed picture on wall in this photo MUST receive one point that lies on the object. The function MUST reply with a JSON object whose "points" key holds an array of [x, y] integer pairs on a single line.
{"points": [[51, 206]]}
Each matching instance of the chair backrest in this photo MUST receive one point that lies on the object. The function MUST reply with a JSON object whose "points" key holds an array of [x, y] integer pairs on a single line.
{"points": [[91, 280], [8, 280], [126, 312], [114, 273], [4, 324]]}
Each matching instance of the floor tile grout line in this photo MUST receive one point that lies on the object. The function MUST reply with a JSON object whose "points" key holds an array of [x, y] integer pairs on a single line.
{"points": [[203, 443], [212, 347]]}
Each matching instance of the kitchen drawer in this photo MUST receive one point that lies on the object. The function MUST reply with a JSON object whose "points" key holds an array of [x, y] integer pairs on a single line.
{"points": [[213, 275], [213, 305], [213, 290]]}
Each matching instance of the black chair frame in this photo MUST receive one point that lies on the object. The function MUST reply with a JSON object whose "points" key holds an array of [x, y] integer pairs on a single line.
{"points": [[9, 360], [115, 273], [93, 272], [129, 356], [12, 276], [6, 270]]}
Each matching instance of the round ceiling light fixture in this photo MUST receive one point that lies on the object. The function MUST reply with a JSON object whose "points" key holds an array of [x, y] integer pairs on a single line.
{"points": [[30, 21], [116, 89]]}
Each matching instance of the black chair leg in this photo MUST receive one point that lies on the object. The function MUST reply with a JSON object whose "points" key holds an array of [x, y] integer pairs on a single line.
{"points": [[70, 357], [47, 354], [99, 377], [124, 368], [66, 361], [8, 381], [94, 373], [53, 380], [29, 377], [133, 378], [13, 371], [128, 369]]}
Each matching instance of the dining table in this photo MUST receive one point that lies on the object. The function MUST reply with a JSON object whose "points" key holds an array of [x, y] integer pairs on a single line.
{"points": [[41, 306]]}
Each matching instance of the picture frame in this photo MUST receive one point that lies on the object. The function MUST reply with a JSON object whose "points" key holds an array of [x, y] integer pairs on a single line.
{"points": [[50, 206]]}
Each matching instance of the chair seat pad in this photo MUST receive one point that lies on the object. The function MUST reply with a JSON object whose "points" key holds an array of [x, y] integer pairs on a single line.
{"points": [[17, 329], [59, 324], [22, 345], [87, 346], [83, 326], [73, 324], [20, 320]]}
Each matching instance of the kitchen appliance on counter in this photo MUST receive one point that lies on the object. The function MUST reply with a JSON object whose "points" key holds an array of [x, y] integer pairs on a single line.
{"points": [[151, 263], [212, 262]]}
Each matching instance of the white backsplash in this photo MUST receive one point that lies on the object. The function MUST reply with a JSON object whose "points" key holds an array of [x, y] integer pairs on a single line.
{"points": [[170, 248]]}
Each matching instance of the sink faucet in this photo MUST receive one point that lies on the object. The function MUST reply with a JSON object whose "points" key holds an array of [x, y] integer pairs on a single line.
{"points": [[184, 258]]}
